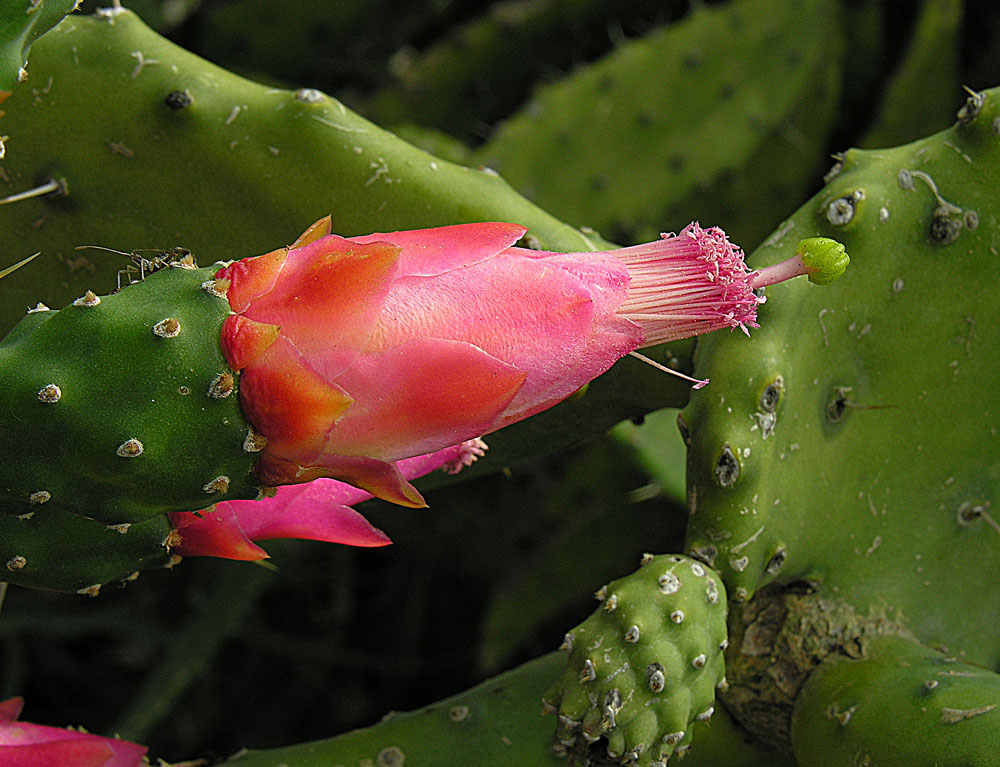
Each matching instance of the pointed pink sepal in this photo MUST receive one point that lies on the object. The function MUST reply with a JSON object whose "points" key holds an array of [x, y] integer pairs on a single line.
{"points": [[307, 512], [319, 511], [251, 278], [321, 228], [244, 340], [289, 402], [382, 479], [10, 709], [60, 753]]}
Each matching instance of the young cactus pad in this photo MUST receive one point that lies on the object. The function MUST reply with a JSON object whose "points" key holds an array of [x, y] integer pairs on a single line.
{"points": [[122, 407], [645, 666]]}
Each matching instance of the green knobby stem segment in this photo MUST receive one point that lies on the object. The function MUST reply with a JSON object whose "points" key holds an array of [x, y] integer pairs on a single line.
{"points": [[122, 407], [495, 724]]}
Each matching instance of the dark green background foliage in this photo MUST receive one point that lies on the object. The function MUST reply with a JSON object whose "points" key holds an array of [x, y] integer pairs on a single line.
{"points": [[213, 656]]}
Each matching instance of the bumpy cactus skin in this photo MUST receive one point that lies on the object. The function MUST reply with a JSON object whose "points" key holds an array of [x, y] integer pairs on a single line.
{"points": [[48, 548], [122, 407], [644, 667], [852, 442], [723, 115]]}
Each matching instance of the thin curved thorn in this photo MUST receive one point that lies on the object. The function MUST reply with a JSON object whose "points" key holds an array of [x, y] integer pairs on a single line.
{"points": [[9, 269], [50, 186]]}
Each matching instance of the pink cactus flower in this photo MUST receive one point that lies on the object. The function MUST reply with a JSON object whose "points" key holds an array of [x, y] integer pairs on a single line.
{"points": [[359, 352], [34, 745], [317, 511]]}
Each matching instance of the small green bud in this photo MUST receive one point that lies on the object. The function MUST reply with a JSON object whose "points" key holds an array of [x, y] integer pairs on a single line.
{"points": [[824, 259]]}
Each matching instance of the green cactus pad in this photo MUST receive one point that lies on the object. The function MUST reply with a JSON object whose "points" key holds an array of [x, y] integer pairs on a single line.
{"points": [[47, 548], [495, 724], [645, 665], [902, 703], [853, 440], [482, 70], [720, 117], [122, 407], [924, 91], [170, 150]]}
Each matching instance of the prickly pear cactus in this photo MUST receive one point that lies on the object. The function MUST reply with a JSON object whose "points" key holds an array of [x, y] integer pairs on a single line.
{"points": [[645, 666], [848, 454], [495, 724], [137, 380], [944, 709], [482, 70]]}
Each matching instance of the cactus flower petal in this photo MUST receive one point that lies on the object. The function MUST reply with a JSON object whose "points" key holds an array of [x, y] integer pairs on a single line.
{"points": [[229, 530], [415, 395], [252, 278], [398, 344], [382, 479], [32, 745], [429, 252], [318, 511], [244, 339]]}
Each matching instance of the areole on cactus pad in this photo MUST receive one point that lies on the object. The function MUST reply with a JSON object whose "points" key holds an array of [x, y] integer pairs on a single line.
{"points": [[346, 356]]}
